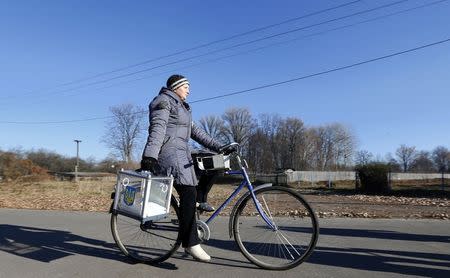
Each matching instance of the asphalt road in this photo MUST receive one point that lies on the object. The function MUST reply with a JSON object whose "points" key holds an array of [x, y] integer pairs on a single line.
{"points": [[79, 244]]}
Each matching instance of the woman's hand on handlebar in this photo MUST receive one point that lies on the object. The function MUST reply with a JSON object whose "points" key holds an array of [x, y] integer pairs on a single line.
{"points": [[229, 148]]}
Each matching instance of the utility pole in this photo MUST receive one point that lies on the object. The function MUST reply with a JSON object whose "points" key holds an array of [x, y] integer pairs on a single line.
{"points": [[76, 166]]}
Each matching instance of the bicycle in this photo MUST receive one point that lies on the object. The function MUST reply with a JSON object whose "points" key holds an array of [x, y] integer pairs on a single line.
{"points": [[274, 227]]}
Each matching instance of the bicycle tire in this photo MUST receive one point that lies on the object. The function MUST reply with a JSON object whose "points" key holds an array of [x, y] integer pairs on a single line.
{"points": [[291, 243], [152, 242]]}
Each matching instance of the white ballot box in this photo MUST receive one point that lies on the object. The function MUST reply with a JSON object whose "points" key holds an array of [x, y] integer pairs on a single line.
{"points": [[142, 196]]}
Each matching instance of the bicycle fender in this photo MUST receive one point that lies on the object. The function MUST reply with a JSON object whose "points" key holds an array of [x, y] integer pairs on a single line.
{"points": [[238, 203]]}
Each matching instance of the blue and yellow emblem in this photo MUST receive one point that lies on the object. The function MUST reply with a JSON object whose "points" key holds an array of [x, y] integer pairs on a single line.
{"points": [[129, 195]]}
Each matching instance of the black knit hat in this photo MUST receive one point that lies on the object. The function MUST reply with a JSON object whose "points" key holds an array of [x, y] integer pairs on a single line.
{"points": [[176, 81]]}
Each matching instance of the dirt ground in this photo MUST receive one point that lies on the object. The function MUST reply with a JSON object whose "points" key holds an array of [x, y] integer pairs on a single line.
{"points": [[95, 196]]}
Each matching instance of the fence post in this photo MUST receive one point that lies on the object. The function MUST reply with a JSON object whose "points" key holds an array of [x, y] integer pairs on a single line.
{"points": [[389, 180], [442, 181]]}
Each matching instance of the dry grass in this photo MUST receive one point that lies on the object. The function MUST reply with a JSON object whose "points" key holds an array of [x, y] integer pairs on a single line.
{"points": [[65, 195], [95, 196], [84, 195]]}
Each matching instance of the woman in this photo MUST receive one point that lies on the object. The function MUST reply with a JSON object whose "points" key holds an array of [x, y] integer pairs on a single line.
{"points": [[167, 153]]}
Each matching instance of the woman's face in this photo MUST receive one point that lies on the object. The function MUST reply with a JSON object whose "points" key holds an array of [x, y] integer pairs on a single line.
{"points": [[182, 92]]}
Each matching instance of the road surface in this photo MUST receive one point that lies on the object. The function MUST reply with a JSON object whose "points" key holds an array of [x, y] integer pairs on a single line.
{"points": [[79, 244]]}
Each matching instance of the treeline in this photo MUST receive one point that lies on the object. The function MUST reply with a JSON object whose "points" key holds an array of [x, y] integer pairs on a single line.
{"points": [[37, 164], [272, 143], [269, 142], [409, 159], [13, 167]]}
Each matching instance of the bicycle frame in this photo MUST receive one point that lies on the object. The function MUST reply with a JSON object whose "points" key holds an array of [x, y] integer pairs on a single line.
{"points": [[246, 182]]}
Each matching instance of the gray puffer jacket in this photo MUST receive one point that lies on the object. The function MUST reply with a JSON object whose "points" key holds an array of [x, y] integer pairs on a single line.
{"points": [[171, 126]]}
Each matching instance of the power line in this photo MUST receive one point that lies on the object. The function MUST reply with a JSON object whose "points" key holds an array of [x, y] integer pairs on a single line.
{"points": [[201, 46], [214, 42], [70, 121], [324, 72], [227, 48], [274, 44], [259, 87], [267, 46]]}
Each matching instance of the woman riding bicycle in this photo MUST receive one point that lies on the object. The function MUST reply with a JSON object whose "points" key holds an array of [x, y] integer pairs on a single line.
{"points": [[167, 153]]}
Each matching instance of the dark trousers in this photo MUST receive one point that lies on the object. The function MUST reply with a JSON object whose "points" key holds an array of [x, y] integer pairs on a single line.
{"points": [[188, 221], [206, 179], [205, 183]]}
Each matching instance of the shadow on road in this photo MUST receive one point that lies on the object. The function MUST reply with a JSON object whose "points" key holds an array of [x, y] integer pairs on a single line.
{"points": [[380, 234], [46, 245], [378, 260], [220, 261], [388, 261]]}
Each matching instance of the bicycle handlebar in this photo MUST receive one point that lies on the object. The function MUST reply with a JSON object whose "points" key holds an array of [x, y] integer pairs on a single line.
{"points": [[236, 153], [231, 144]]}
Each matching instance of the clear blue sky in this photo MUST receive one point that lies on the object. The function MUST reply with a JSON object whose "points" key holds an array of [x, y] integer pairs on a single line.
{"points": [[401, 100]]}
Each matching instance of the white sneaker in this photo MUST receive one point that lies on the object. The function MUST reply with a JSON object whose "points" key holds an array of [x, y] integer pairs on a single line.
{"points": [[198, 253]]}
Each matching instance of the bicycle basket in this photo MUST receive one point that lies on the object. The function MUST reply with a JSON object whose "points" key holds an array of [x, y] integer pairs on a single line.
{"points": [[214, 162], [142, 196]]}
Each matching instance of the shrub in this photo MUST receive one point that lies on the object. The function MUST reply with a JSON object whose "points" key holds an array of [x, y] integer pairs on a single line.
{"points": [[13, 167], [373, 177]]}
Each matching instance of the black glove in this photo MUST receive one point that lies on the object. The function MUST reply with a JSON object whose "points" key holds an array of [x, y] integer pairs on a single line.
{"points": [[150, 164], [227, 149]]}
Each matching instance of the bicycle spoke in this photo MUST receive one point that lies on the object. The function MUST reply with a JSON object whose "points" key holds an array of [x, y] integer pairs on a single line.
{"points": [[267, 211], [284, 245], [279, 248], [149, 242]]}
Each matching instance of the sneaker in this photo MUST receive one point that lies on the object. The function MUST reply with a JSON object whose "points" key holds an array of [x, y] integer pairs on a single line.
{"points": [[205, 207], [198, 253]]}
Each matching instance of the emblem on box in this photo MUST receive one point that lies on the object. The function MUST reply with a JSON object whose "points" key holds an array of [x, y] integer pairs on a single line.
{"points": [[163, 187], [129, 195], [142, 196]]}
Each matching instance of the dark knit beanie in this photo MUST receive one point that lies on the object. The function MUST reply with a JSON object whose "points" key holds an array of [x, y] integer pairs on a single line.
{"points": [[176, 81]]}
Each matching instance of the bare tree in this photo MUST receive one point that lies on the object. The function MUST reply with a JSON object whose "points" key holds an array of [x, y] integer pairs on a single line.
{"points": [[268, 126], [394, 166], [363, 157], [344, 143], [280, 143], [239, 125], [334, 146], [306, 152], [259, 153], [406, 156], [263, 148], [323, 147], [441, 158], [124, 130], [214, 126], [290, 134], [423, 162]]}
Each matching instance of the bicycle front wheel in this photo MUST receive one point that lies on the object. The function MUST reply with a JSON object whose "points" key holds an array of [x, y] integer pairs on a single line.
{"points": [[291, 239], [151, 242]]}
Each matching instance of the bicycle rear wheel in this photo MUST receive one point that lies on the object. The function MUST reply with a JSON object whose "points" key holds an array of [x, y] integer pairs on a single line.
{"points": [[151, 242], [295, 234]]}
